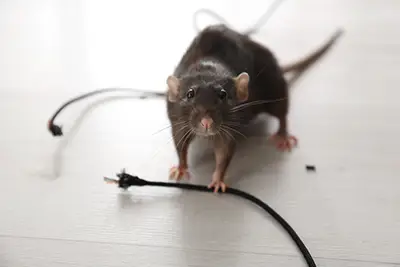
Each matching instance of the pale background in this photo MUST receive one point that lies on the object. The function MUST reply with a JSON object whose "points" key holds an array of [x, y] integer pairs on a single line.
{"points": [[55, 209]]}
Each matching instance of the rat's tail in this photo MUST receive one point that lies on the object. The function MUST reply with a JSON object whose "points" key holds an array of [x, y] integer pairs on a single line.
{"points": [[302, 64]]}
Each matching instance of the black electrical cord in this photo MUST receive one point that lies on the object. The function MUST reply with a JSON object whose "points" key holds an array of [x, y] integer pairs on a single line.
{"points": [[126, 180], [252, 30], [56, 130]]}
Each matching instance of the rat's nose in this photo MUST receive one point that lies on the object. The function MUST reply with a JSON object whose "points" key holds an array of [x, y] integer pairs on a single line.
{"points": [[206, 122]]}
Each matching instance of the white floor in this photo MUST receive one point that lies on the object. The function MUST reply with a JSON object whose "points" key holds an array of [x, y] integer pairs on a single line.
{"points": [[55, 209]]}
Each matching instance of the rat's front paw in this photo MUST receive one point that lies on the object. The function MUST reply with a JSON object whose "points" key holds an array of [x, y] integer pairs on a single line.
{"points": [[178, 173], [217, 184], [284, 142]]}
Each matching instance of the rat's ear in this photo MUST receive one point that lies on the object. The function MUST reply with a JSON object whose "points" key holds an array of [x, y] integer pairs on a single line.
{"points": [[173, 88], [242, 86]]}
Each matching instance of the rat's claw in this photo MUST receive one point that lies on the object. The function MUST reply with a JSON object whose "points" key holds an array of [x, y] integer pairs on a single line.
{"points": [[217, 185], [286, 142], [178, 173]]}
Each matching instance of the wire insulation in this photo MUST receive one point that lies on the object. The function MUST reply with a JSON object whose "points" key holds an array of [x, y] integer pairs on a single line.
{"points": [[126, 180], [56, 130]]}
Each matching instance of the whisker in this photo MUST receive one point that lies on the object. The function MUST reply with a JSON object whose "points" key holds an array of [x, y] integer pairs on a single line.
{"points": [[184, 137], [161, 148], [179, 122], [234, 130], [182, 128], [162, 129], [222, 133], [253, 103], [173, 136], [188, 136], [257, 102], [169, 126], [231, 136], [228, 134]]}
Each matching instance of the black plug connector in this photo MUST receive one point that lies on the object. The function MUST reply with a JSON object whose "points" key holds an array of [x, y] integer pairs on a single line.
{"points": [[55, 129], [126, 180]]}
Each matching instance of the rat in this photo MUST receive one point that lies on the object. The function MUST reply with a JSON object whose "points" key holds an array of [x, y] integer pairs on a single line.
{"points": [[223, 81]]}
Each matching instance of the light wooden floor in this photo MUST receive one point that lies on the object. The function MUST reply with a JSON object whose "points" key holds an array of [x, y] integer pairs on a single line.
{"points": [[55, 209]]}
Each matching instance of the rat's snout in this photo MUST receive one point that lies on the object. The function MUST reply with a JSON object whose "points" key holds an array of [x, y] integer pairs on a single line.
{"points": [[206, 122]]}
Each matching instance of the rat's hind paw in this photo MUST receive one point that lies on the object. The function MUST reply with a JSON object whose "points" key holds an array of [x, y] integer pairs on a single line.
{"points": [[178, 173], [284, 142]]}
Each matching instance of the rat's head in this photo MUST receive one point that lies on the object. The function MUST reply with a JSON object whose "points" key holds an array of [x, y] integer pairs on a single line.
{"points": [[204, 100]]}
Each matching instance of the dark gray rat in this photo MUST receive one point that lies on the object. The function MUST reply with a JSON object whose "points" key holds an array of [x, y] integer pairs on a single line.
{"points": [[221, 83]]}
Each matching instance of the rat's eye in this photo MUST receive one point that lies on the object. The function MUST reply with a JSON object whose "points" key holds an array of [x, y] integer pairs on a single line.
{"points": [[190, 93], [222, 94]]}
